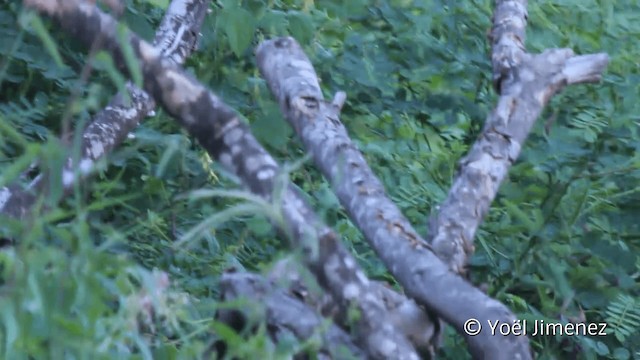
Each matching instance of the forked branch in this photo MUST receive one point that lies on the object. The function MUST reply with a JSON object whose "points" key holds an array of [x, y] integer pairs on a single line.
{"points": [[424, 277], [525, 83]]}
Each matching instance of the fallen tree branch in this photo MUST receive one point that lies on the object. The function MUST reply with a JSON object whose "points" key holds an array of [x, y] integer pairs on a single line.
{"points": [[284, 313], [227, 139], [525, 83], [176, 38], [424, 277], [404, 313]]}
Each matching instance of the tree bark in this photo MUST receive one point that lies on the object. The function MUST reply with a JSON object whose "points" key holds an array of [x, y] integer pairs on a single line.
{"points": [[424, 277], [176, 38], [285, 314], [525, 83], [228, 140]]}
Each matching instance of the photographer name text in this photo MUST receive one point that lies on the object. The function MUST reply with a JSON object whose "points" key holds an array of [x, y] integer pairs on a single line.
{"points": [[535, 328]]}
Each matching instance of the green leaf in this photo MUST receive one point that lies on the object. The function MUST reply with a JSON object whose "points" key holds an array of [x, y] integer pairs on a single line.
{"points": [[259, 225], [130, 58], [10, 325], [521, 215], [239, 25], [271, 128], [38, 26], [406, 131], [301, 26], [104, 61], [12, 171], [275, 22], [621, 354]]}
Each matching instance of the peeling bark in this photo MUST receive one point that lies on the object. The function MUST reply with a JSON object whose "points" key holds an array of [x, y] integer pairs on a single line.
{"points": [[176, 38], [525, 83], [227, 139], [425, 277]]}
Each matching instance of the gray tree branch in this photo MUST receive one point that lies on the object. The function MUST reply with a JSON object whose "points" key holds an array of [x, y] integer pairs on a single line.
{"points": [[404, 313], [424, 277], [285, 314], [525, 83], [227, 139], [176, 38]]}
